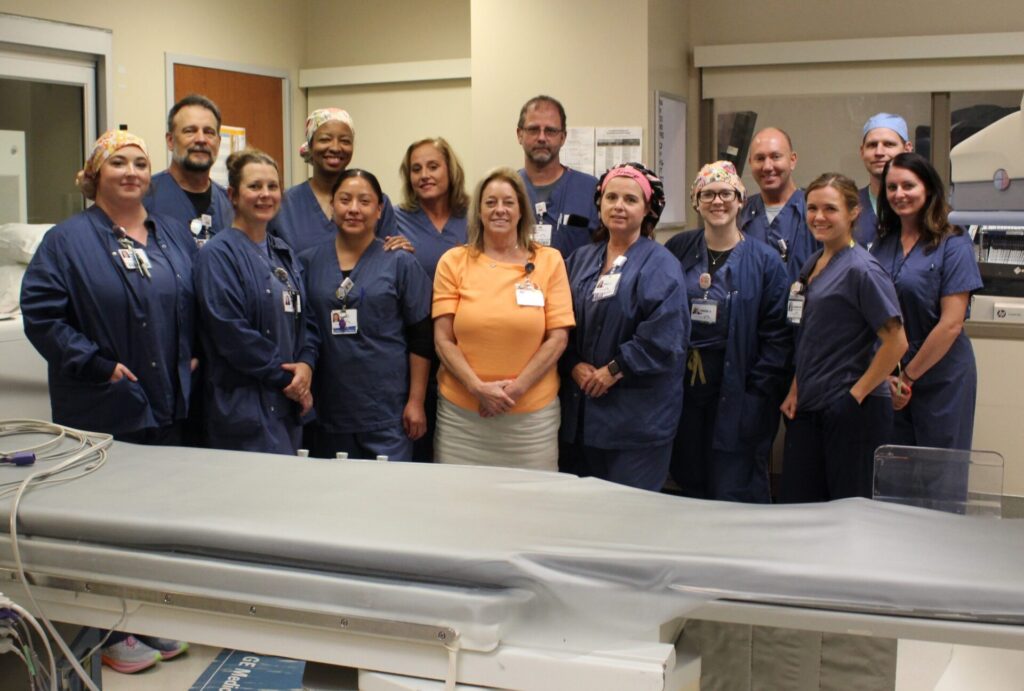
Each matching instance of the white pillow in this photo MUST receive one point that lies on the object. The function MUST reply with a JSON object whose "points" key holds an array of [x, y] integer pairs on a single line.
{"points": [[10, 288], [18, 241]]}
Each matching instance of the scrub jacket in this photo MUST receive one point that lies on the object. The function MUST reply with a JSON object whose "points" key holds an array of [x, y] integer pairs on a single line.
{"points": [[941, 408], [759, 341], [302, 224], [85, 312], [644, 327], [430, 244], [571, 211], [362, 381], [790, 226], [166, 197], [240, 313]]}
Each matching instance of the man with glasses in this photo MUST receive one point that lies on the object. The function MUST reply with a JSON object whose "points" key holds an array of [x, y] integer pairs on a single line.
{"points": [[185, 191], [885, 135], [562, 198], [777, 215]]}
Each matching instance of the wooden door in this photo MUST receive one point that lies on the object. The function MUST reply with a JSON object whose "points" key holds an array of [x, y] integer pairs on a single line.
{"points": [[251, 101]]}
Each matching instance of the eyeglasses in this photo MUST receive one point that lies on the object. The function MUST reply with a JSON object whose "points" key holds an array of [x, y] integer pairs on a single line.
{"points": [[534, 130], [707, 196]]}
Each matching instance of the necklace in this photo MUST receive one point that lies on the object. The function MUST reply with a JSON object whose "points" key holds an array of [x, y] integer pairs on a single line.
{"points": [[714, 259]]}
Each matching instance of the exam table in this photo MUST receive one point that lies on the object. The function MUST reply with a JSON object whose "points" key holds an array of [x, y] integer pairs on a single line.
{"points": [[513, 578]]}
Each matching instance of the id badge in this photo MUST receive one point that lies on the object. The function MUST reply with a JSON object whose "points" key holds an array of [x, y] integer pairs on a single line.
{"points": [[542, 234], [704, 311], [795, 309], [128, 259], [528, 295], [143, 257], [288, 300], [606, 286], [344, 322]]}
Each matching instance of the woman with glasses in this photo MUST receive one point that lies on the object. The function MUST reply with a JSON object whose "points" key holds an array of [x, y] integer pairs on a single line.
{"points": [[620, 384], [740, 346]]}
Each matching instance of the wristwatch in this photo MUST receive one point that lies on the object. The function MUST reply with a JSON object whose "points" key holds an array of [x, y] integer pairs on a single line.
{"points": [[614, 369]]}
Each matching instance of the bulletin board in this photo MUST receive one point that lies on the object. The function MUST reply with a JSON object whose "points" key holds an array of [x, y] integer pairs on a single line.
{"points": [[670, 156]]}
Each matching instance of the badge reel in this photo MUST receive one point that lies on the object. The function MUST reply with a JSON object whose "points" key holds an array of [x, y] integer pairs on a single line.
{"points": [[527, 294], [134, 258], [703, 310], [541, 231], [608, 284], [291, 300], [795, 305], [344, 322], [201, 228]]}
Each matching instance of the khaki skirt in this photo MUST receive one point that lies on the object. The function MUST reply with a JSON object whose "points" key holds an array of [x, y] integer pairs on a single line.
{"points": [[513, 440]]}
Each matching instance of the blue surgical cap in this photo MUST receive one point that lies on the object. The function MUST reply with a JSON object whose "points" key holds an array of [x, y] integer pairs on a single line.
{"points": [[888, 121]]}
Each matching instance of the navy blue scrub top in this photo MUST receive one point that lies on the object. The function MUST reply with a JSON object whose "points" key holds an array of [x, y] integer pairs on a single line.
{"points": [[923, 278], [702, 335], [790, 227], [571, 211], [846, 305], [362, 380], [84, 311], [867, 222], [429, 243], [645, 328], [247, 336], [165, 197], [301, 222]]}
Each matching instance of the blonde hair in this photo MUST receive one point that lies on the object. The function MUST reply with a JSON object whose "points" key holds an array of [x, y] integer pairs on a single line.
{"points": [[524, 229], [458, 200]]}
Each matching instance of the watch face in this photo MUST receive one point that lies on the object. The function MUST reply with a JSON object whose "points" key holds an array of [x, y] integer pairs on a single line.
{"points": [[613, 367]]}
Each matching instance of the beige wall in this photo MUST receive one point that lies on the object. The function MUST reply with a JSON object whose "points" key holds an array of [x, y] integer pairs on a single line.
{"points": [[771, 21], [389, 117], [597, 68], [144, 30], [356, 32]]}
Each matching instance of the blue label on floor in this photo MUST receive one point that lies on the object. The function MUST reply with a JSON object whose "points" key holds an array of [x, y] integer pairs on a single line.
{"points": [[237, 670]]}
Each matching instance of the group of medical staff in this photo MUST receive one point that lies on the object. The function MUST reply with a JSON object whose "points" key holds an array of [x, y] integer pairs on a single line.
{"points": [[327, 318]]}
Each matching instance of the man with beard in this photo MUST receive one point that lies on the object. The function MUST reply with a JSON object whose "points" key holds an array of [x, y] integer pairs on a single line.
{"points": [[777, 214], [885, 135], [185, 191], [562, 198]]}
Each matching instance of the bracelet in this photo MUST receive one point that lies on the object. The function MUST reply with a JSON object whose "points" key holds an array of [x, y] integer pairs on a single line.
{"points": [[909, 379]]}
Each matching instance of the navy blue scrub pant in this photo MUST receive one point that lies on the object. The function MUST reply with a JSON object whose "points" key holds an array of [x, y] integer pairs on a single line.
{"points": [[700, 470], [830, 453]]}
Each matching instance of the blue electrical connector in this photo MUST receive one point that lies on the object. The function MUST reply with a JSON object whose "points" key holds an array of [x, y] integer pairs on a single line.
{"points": [[20, 458]]}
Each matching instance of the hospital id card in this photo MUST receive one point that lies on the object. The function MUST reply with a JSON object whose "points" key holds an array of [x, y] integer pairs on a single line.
{"points": [[128, 259], [344, 322], [528, 295], [542, 234], [795, 309], [606, 286], [292, 301], [704, 311]]}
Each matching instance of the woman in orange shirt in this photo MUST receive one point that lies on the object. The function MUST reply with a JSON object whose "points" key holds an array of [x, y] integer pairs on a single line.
{"points": [[502, 313]]}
